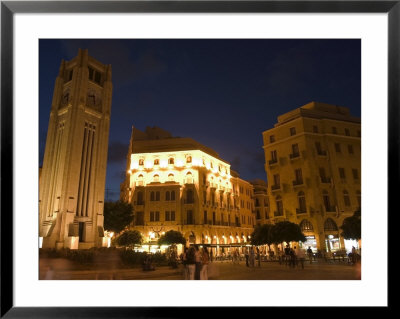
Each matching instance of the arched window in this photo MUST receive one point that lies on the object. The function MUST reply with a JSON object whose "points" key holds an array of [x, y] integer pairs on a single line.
{"points": [[170, 160], [152, 196], [302, 202], [156, 178], [139, 199], [330, 225], [346, 198], [189, 178], [140, 180], [188, 159], [306, 226], [171, 177], [167, 195], [358, 195], [279, 206]]}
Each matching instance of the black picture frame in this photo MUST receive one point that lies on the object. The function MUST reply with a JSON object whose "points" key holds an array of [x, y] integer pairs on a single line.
{"points": [[9, 8]]}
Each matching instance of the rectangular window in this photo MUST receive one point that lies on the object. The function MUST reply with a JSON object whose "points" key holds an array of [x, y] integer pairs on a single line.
{"points": [[337, 147], [334, 130], [152, 216], [276, 180], [295, 149], [298, 175], [157, 216], [205, 217], [350, 149], [157, 196], [342, 173], [347, 132], [271, 138], [355, 173], [315, 129], [167, 216], [173, 215], [292, 131]]}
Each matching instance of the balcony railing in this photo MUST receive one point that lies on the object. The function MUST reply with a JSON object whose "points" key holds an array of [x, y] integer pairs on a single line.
{"points": [[301, 211], [278, 213], [330, 209], [275, 187], [272, 162], [294, 155], [298, 183], [325, 180]]}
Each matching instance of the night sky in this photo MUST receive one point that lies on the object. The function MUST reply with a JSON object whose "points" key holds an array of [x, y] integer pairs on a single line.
{"points": [[222, 93]]}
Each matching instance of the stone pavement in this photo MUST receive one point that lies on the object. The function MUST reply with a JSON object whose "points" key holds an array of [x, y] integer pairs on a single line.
{"points": [[222, 271]]}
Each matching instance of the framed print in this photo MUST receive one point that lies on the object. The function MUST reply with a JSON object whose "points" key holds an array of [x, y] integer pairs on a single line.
{"points": [[219, 124]]}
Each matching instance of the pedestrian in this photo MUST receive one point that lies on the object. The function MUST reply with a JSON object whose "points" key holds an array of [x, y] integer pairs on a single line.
{"points": [[292, 258], [287, 255], [300, 256], [258, 257], [252, 257], [247, 257], [204, 264], [191, 262], [211, 255], [198, 263], [310, 254]]}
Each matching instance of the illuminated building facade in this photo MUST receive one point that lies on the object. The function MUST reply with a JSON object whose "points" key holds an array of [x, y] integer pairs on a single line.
{"points": [[261, 202], [72, 178], [179, 184], [313, 165]]}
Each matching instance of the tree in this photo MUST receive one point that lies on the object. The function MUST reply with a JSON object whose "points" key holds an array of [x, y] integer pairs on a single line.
{"points": [[352, 226], [117, 216], [287, 231], [172, 237], [129, 238], [262, 235]]}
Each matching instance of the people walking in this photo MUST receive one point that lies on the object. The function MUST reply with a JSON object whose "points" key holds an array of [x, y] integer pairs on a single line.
{"points": [[198, 257], [300, 256], [310, 254], [287, 255], [204, 264], [252, 257], [258, 257], [292, 258], [247, 257], [191, 262]]}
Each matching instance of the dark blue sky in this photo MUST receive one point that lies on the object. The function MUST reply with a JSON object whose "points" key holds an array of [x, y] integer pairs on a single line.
{"points": [[222, 93]]}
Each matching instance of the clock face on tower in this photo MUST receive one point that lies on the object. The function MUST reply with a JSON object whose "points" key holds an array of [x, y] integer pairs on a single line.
{"points": [[93, 99]]}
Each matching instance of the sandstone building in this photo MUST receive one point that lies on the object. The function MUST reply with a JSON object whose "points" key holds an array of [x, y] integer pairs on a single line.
{"points": [[179, 184], [313, 165], [72, 179]]}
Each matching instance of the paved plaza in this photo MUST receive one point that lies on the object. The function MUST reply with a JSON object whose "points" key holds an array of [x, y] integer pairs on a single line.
{"points": [[60, 269]]}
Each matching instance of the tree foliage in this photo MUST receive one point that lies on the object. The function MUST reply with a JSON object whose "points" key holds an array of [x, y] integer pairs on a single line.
{"points": [[172, 237], [287, 231], [352, 226], [117, 216], [129, 238], [262, 235]]}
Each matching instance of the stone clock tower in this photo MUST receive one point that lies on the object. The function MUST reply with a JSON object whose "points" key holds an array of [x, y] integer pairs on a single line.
{"points": [[72, 179]]}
